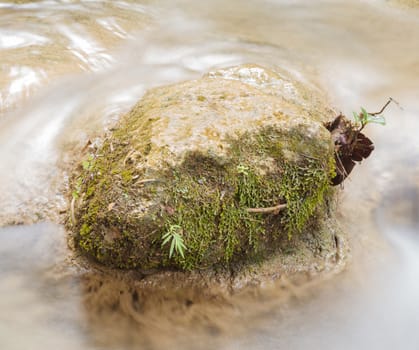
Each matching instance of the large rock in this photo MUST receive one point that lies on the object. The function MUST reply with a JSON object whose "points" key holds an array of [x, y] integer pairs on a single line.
{"points": [[192, 158]]}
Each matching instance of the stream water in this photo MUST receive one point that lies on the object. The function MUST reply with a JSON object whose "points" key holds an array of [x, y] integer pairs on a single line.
{"points": [[68, 69]]}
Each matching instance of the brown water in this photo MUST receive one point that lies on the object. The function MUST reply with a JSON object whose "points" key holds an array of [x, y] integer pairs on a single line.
{"points": [[70, 68]]}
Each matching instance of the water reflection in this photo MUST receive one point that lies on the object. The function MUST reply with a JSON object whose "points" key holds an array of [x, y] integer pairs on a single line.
{"points": [[124, 311], [11, 40], [55, 38]]}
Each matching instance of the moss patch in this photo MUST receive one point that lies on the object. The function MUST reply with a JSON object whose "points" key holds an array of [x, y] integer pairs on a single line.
{"points": [[210, 200], [207, 197]]}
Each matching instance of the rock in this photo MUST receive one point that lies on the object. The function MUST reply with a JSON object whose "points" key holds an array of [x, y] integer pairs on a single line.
{"points": [[190, 160]]}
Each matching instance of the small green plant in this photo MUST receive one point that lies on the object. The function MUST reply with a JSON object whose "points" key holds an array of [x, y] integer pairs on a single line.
{"points": [[77, 188], [242, 169], [87, 164], [174, 236], [363, 118], [351, 145]]}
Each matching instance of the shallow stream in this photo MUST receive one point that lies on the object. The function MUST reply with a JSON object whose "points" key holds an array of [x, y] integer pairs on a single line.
{"points": [[68, 69]]}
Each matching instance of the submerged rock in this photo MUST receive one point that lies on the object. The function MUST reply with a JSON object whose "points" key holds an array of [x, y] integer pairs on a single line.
{"points": [[191, 162]]}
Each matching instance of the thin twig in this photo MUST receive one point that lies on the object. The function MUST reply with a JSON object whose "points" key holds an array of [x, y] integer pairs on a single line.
{"points": [[390, 99], [345, 174], [309, 157], [73, 217], [144, 181], [274, 209], [397, 103]]}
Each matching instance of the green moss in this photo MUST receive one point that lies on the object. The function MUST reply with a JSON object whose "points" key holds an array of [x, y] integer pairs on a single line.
{"points": [[211, 199], [304, 188], [104, 183], [85, 230], [121, 222], [126, 176]]}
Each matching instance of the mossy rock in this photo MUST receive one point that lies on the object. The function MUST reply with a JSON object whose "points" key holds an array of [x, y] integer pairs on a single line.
{"points": [[193, 158]]}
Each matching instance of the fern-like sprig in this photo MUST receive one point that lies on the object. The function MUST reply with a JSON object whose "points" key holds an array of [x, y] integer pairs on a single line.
{"points": [[174, 236]]}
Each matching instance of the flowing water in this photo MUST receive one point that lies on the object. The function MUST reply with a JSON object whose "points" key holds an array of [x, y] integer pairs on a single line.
{"points": [[70, 68]]}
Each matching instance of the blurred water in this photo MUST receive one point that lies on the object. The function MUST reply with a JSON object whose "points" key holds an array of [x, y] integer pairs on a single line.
{"points": [[70, 68]]}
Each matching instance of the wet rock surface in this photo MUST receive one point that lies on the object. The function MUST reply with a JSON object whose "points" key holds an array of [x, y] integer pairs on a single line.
{"points": [[192, 161]]}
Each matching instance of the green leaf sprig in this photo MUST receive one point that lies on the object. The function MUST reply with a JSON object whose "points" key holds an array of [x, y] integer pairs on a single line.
{"points": [[174, 236], [363, 118]]}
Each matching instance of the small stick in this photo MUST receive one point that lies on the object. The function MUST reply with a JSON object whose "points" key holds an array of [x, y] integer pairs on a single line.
{"points": [[73, 217], [345, 174], [390, 99], [274, 209], [144, 181]]}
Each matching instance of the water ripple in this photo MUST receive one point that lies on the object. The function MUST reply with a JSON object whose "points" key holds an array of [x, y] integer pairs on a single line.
{"points": [[10, 39]]}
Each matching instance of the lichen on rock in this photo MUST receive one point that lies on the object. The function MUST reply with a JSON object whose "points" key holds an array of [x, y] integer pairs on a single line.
{"points": [[196, 156]]}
